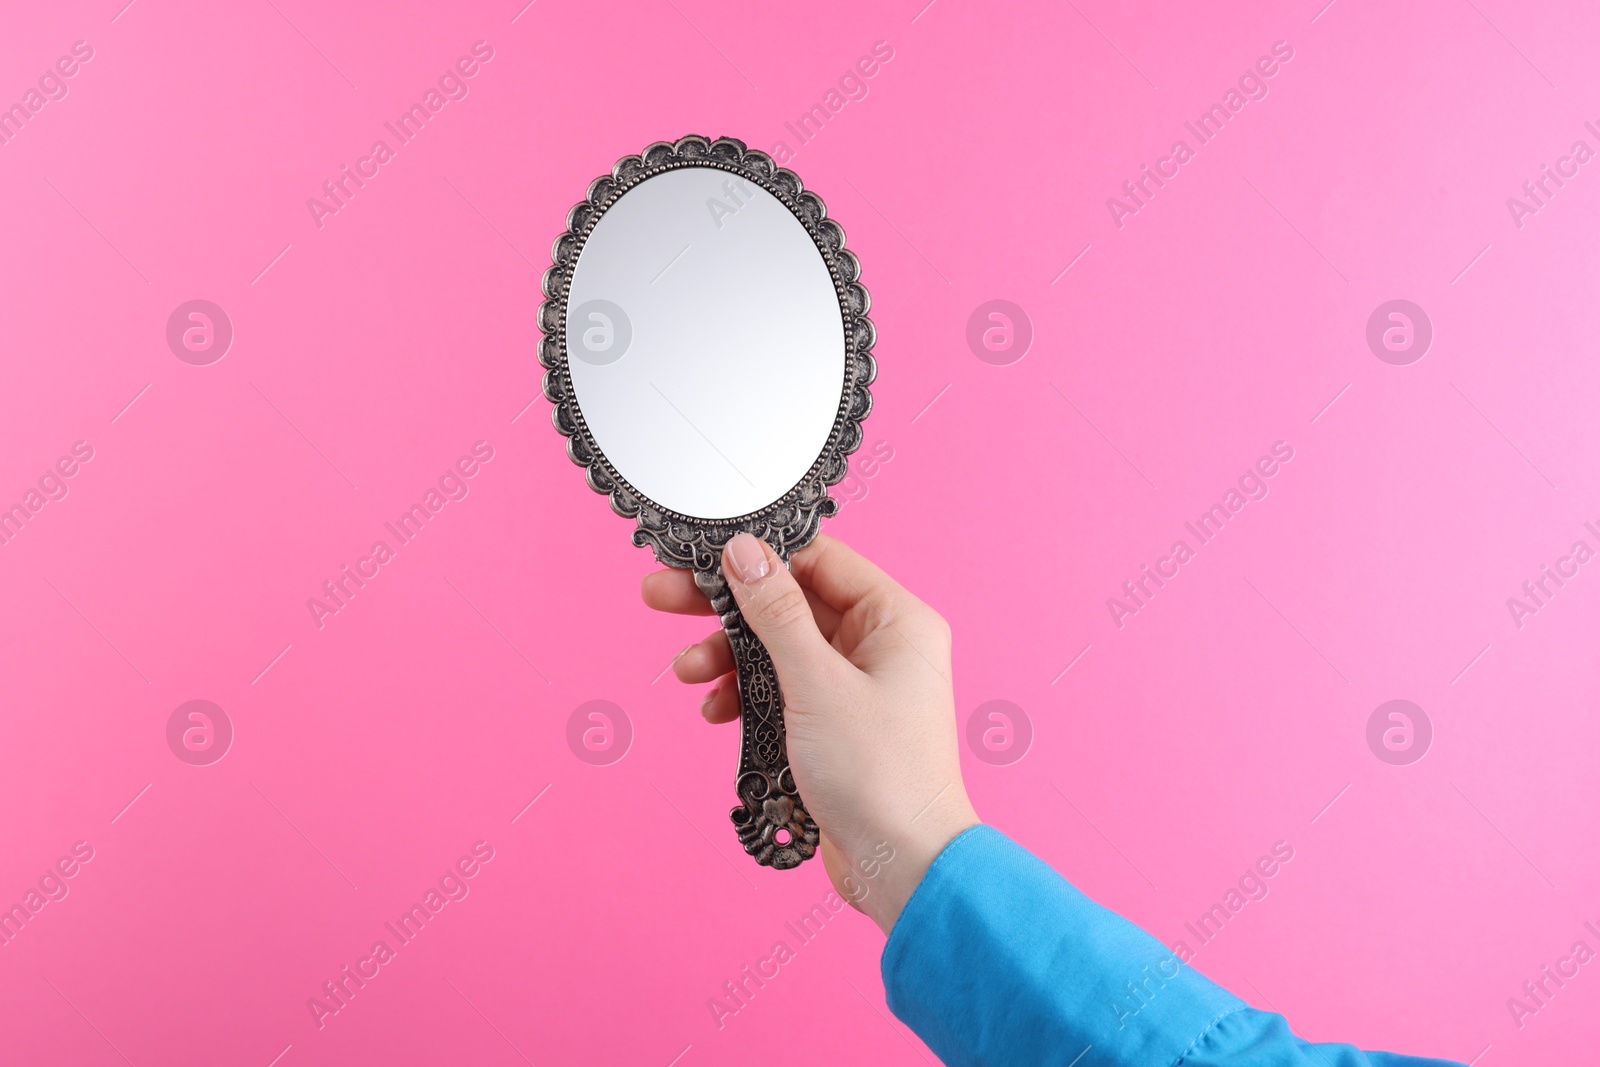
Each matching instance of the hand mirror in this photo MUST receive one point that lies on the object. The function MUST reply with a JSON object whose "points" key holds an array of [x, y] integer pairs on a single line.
{"points": [[708, 353]]}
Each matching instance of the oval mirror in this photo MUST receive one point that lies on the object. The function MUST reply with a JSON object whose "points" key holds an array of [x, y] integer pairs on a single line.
{"points": [[707, 343], [709, 356]]}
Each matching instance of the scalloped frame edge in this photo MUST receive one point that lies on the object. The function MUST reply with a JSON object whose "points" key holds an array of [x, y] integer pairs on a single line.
{"points": [[793, 520]]}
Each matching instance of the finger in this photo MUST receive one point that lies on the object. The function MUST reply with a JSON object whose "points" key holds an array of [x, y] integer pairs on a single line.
{"points": [[776, 609], [674, 590], [841, 577], [721, 704], [705, 661]]}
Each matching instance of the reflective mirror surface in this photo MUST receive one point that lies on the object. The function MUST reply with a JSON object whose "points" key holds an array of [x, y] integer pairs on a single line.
{"points": [[705, 343]]}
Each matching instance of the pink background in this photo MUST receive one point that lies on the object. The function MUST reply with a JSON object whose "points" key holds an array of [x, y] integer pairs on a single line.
{"points": [[425, 716]]}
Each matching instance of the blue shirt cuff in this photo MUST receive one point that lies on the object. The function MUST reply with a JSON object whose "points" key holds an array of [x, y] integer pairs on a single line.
{"points": [[998, 959]]}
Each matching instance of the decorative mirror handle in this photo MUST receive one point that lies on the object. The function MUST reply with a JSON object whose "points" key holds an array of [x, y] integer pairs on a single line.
{"points": [[772, 820]]}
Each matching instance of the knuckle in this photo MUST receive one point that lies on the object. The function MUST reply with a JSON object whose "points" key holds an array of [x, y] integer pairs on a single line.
{"points": [[784, 606], [882, 606], [930, 623]]}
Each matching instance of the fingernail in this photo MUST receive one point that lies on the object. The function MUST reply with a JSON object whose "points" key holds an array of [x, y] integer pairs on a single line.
{"points": [[748, 557], [705, 705]]}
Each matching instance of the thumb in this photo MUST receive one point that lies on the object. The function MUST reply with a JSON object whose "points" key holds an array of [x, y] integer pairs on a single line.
{"points": [[775, 607]]}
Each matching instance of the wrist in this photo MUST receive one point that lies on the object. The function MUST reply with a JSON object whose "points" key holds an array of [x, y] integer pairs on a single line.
{"points": [[916, 845]]}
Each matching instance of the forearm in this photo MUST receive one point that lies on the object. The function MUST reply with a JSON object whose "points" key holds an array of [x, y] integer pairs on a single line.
{"points": [[996, 959]]}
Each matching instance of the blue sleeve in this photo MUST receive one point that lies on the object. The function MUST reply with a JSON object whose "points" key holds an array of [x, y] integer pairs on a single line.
{"points": [[996, 959]]}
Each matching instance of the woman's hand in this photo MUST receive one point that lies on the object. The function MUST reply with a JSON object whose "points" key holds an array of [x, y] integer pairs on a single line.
{"points": [[869, 708]]}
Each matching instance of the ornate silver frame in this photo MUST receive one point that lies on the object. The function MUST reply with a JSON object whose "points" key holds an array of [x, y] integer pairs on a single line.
{"points": [[769, 801]]}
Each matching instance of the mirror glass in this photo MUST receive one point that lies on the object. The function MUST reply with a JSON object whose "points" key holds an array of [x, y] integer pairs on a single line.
{"points": [[705, 343]]}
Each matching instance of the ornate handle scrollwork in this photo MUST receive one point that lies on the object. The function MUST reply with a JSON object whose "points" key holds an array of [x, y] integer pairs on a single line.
{"points": [[771, 819]]}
